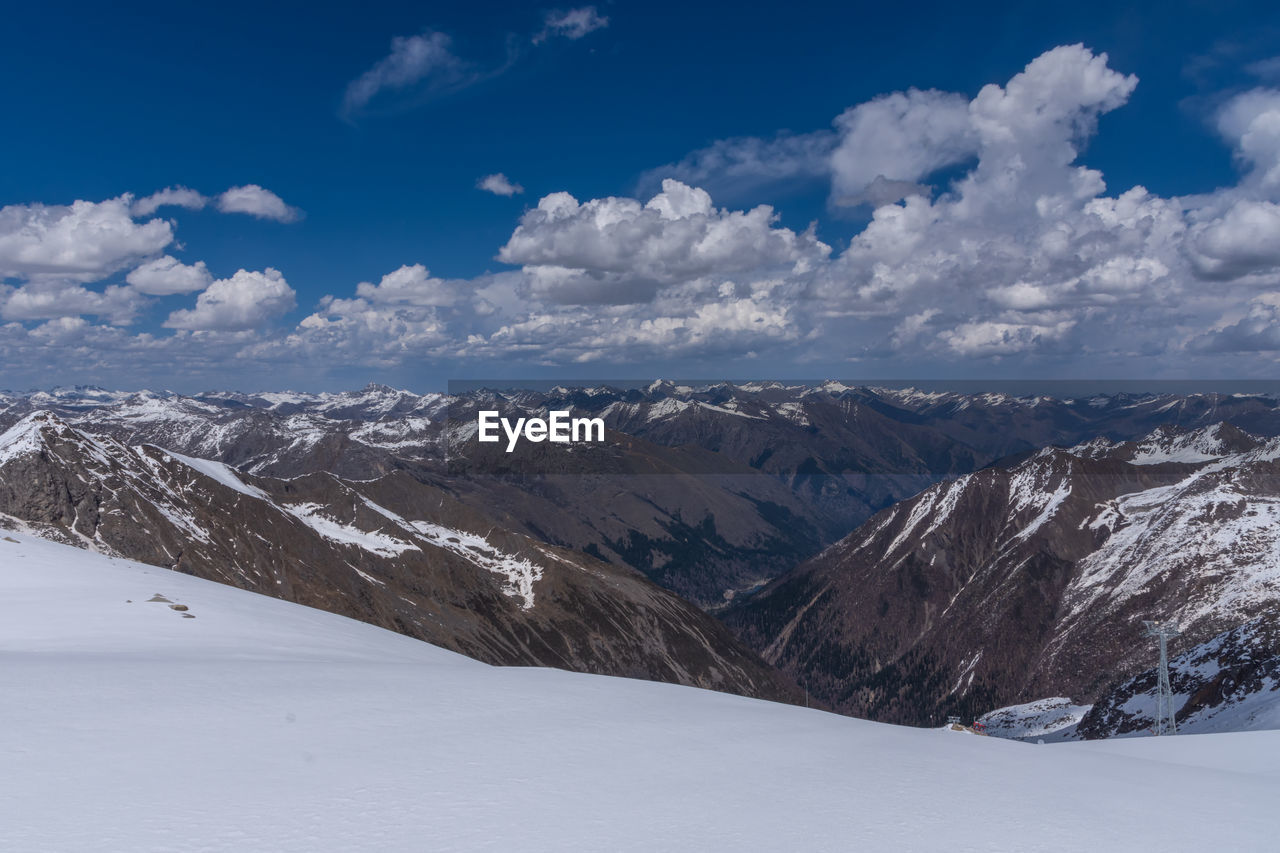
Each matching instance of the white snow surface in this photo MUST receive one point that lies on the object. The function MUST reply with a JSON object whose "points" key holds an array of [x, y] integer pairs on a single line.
{"points": [[262, 725], [1041, 718], [21, 439], [1155, 531], [1202, 445], [316, 517], [520, 573], [224, 474]]}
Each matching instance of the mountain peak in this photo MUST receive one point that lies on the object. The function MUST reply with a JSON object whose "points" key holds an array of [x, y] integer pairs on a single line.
{"points": [[379, 388], [29, 435], [1174, 443]]}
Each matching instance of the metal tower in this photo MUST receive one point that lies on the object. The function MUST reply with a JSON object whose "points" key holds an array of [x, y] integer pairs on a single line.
{"points": [[1165, 720]]}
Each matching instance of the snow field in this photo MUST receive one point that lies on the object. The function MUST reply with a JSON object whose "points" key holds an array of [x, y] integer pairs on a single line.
{"points": [[262, 725]]}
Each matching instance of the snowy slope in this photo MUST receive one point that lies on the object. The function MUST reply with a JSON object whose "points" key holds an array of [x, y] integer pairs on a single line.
{"points": [[262, 725]]}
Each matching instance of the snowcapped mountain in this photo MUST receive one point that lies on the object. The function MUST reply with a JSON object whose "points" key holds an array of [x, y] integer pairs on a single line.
{"points": [[1008, 585], [285, 434], [394, 552], [181, 715]]}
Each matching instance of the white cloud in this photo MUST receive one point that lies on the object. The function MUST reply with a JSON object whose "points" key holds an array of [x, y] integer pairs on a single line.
{"points": [[169, 196], [1251, 123], [247, 300], [619, 250], [1245, 239], [84, 241], [499, 184], [1257, 331], [572, 24], [1019, 256], [167, 275], [256, 201], [896, 141], [61, 331], [413, 60], [250, 198], [408, 285], [725, 327], [1023, 252], [989, 338], [48, 299]]}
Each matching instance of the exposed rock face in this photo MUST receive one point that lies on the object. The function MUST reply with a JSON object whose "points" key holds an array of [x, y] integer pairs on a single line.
{"points": [[394, 551], [1008, 585]]}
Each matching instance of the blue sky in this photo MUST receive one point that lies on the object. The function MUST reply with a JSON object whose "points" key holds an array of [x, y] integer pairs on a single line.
{"points": [[897, 243]]}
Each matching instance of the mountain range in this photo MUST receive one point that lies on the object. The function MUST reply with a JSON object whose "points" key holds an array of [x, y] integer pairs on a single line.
{"points": [[1003, 552], [716, 488]]}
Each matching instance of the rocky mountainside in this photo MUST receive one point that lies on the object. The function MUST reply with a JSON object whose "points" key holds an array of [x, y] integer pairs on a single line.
{"points": [[710, 490], [1012, 584], [1229, 683], [393, 551]]}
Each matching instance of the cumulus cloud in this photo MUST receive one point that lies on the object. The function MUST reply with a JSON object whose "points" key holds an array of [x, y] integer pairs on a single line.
{"points": [[247, 300], [572, 24], [994, 338], [499, 184], [259, 202], [894, 141], [1024, 246], [1245, 239], [167, 275], [169, 197], [408, 285], [49, 299], [620, 250], [84, 241], [1257, 331]]}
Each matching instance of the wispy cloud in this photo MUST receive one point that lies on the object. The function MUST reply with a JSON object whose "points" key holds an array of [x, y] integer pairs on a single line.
{"points": [[731, 167], [414, 61], [572, 24], [425, 65]]}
